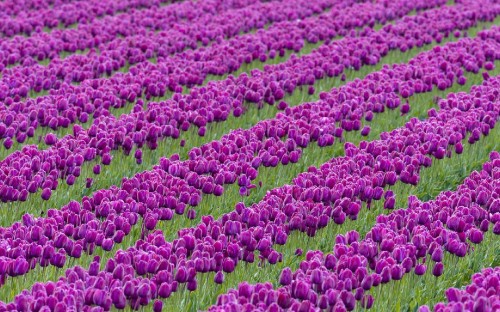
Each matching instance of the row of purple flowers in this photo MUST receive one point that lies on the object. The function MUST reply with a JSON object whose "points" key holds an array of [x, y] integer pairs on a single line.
{"points": [[28, 17]]}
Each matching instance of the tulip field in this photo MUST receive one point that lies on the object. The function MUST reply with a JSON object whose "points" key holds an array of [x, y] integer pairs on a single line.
{"points": [[250, 155]]}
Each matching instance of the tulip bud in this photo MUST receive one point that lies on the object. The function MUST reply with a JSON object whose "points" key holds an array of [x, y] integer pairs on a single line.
{"points": [[143, 290], [397, 272], [438, 269], [476, 236], [219, 277], [191, 214], [50, 139], [107, 244], [118, 298], [157, 306], [437, 255], [228, 265], [348, 300], [165, 290], [367, 301], [150, 222], [302, 290], [286, 276], [365, 131], [46, 193], [385, 275]]}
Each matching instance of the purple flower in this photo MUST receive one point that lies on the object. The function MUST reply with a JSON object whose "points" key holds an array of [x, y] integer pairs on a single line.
{"points": [[397, 272], [157, 306], [192, 285], [438, 269], [286, 276], [191, 214], [89, 182], [437, 255], [118, 298], [50, 139], [348, 300], [181, 275], [219, 277], [367, 301], [453, 295], [365, 131], [476, 236], [46, 193], [302, 290], [165, 290], [107, 244], [228, 265]]}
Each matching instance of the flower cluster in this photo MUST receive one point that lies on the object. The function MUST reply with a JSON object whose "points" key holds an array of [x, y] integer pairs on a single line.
{"points": [[481, 295], [135, 36], [154, 268], [29, 17], [399, 243], [31, 169], [238, 156]]}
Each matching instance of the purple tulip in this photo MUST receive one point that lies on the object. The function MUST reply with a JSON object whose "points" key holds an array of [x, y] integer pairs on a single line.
{"points": [[219, 277], [50, 139], [228, 265], [46, 193], [192, 285], [191, 214], [118, 298], [365, 131], [475, 236], [302, 290], [157, 306], [286, 277], [438, 269], [367, 301], [165, 290], [437, 255]]}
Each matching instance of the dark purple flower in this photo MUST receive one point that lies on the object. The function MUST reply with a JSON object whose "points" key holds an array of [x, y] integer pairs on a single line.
{"points": [[438, 269], [437, 255], [475, 236], [181, 275], [118, 298], [302, 290], [397, 272], [365, 131], [46, 193], [50, 139], [219, 277], [191, 214], [348, 300], [107, 244], [367, 301], [192, 285], [157, 306], [165, 290], [228, 265]]}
